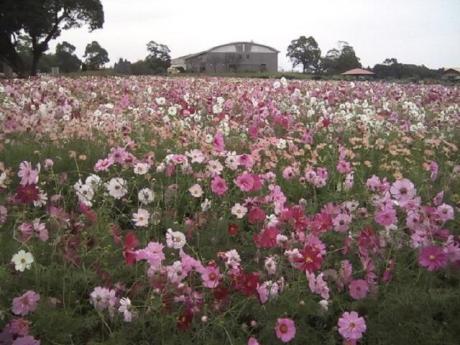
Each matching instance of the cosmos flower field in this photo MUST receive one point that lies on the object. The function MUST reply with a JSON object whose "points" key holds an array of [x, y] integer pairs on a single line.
{"points": [[152, 210]]}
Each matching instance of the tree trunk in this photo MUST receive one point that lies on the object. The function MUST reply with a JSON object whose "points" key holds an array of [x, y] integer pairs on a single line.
{"points": [[35, 58], [11, 57]]}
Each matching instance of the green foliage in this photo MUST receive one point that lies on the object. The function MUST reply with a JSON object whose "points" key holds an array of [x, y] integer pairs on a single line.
{"points": [[391, 68], [305, 51], [95, 56], [340, 60], [159, 58], [42, 21]]}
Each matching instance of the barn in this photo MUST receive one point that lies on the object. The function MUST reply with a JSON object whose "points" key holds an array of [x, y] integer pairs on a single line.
{"points": [[231, 57]]}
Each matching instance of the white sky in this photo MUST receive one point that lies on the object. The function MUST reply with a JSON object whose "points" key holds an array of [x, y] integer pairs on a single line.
{"points": [[414, 31]]}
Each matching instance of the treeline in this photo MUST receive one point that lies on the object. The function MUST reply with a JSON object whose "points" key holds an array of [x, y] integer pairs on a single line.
{"points": [[305, 52]]}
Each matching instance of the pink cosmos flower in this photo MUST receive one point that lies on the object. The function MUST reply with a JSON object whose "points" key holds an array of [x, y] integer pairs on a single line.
{"points": [[358, 289], [403, 190], [351, 326], [103, 298], [386, 216], [210, 276], [246, 161], [341, 222], [253, 341], [153, 253], [289, 173], [27, 340], [218, 142], [26, 303], [18, 327], [285, 329], [445, 212], [245, 182], [343, 167], [103, 164], [27, 174], [218, 185], [432, 258]]}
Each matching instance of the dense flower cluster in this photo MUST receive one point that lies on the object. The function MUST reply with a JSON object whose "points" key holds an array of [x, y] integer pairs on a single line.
{"points": [[198, 197]]}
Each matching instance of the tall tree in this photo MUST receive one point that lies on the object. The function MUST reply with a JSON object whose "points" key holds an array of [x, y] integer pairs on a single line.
{"points": [[158, 58], [95, 55], [341, 59], [42, 21], [305, 51], [66, 59]]}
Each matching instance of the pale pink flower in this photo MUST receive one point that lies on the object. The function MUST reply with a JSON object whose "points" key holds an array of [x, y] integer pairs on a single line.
{"points": [[27, 174], [26, 303], [358, 289], [351, 326]]}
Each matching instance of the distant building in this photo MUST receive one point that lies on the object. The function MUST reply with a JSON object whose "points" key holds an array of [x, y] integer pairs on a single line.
{"points": [[451, 74], [359, 73], [231, 57]]}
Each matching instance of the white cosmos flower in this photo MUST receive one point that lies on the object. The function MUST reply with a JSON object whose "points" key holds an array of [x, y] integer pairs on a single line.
{"points": [[239, 210], [160, 100], [22, 260], [146, 196], [196, 191], [141, 218], [117, 187], [206, 205], [141, 168], [93, 180], [175, 239], [172, 111]]}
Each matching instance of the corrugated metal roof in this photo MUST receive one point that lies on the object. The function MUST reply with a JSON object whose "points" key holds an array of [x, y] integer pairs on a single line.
{"points": [[358, 71], [223, 45]]}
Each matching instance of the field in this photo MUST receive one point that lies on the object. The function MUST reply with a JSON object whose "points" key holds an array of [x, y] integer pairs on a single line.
{"points": [[147, 210]]}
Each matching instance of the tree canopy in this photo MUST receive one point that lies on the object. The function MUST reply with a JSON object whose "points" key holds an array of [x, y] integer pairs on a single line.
{"points": [[42, 21], [158, 58], [305, 51], [95, 56], [341, 59]]}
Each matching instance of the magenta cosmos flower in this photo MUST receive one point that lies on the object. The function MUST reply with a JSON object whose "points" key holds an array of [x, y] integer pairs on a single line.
{"points": [[351, 326], [218, 185], [432, 258], [285, 329]]}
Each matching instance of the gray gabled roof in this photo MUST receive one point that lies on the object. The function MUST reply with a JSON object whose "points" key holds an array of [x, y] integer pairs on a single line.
{"points": [[185, 57]]}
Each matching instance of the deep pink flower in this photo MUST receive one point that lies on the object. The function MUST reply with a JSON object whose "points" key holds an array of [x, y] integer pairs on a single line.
{"points": [[27, 194], [256, 215], [267, 238], [358, 289], [351, 326], [285, 329], [245, 182], [26, 303], [218, 185], [432, 258], [218, 142]]}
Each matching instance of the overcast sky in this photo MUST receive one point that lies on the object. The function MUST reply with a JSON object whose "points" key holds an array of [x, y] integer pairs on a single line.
{"points": [[414, 31]]}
